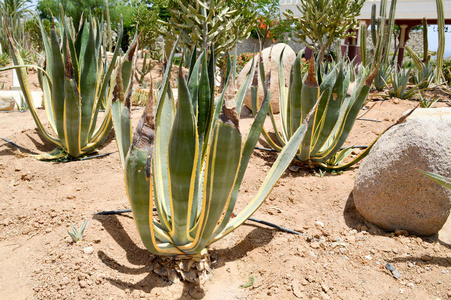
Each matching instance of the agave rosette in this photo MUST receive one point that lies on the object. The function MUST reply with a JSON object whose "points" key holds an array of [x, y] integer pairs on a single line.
{"points": [[187, 160], [76, 84]]}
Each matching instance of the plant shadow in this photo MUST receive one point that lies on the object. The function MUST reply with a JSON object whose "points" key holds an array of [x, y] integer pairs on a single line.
{"points": [[143, 259], [355, 220]]}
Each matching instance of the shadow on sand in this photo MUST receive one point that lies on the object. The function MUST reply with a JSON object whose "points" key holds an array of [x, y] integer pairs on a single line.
{"points": [[144, 260]]}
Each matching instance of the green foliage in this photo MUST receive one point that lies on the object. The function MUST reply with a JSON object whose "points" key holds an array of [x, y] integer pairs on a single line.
{"points": [[15, 11], [4, 59], [249, 284], [446, 70], [146, 21], [269, 23], [398, 84], [242, 59], [190, 157], [75, 9], [324, 90], [77, 234], [33, 29], [217, 22], [322, 21], [76, 83], [427, 102]]}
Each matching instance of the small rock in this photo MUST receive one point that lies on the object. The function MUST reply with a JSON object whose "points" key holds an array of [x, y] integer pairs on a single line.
{"points": [[319, 224], [410, 265], [7, 103], [401, 232], [88, 250], [426, 258], [396, 274], [389, 267], [368, 257], [314, 245], [83, 284], [395, 251], [396, 101], [410, 285]]}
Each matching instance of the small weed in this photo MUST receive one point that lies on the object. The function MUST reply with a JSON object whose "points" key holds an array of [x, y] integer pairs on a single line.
{"points": [[249, 284], [427, 102], [77, 235], [321, 173], [337, 172]]}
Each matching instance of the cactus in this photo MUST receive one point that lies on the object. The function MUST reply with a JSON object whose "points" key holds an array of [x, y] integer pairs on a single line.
{"points": [[145, 69], [381, 40], [426, 56], [441, 39], [139, 97], [362, 31]]}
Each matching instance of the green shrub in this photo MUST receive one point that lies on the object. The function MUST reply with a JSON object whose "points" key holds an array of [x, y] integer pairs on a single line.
{"points": [[446, 69], [242, 59], [4, 59]]}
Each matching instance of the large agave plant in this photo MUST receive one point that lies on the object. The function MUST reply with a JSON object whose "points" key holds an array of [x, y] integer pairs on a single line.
{"points": [[333, 118], [76, 84], [187, 160]]}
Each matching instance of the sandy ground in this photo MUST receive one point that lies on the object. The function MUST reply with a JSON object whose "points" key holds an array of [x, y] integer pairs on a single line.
{"points": [[340, 256]]}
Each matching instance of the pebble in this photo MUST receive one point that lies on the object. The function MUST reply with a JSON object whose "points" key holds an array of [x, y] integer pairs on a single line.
{"points": [[314, 245], [410, 285], [395, 251], [401, 232], [368, 257], [319, 224], [410, 264], [389, 267], [351, 239], [426, 258], [396, 101], [82, 284], [88, 250]]}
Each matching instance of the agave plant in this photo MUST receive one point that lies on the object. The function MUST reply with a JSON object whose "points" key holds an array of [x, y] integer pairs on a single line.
{"points": [[399, 80], [76, 83], [187, 160], [333, 118], [427, 102]]}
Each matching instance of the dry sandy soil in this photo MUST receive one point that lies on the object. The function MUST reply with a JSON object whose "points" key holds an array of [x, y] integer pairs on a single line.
{"points": [[342, 257]]}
